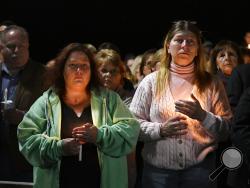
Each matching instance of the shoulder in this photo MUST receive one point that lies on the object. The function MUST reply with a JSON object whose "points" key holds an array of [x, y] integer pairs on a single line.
{"points": [[242, 67], [34, 65], [103, 93], [216, 81], [50, 95], [246, 96], [149, 80], [33, 72]]}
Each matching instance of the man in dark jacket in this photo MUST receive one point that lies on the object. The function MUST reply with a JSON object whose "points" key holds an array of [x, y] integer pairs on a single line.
{"points": [[22, 82], [241, 136], [238, 84]]}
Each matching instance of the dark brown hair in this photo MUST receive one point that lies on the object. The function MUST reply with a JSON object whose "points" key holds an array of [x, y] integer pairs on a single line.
{"points": [[60, 62]]}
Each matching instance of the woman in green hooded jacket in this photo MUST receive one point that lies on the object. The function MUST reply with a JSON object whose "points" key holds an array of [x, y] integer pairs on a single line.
{"points": [[78, 134]]}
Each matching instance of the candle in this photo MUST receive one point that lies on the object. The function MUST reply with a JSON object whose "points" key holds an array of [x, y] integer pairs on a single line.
{"points": [[80, 154], [5, 98]]}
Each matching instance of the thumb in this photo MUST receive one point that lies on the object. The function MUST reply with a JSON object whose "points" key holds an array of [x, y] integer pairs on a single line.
{"points": [[194, 98]]}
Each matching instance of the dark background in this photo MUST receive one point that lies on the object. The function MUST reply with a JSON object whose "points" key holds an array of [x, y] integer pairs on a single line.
{"points": [[134, 26]]}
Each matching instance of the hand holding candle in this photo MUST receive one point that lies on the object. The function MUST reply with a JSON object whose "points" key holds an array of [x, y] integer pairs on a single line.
{"points": [[6, 103], [83, 134], [70, 147]]}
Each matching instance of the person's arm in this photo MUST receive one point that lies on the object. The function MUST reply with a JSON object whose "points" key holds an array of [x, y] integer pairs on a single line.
{"points": [[37, 147], [241, 125], [120, 138], [218, 120], [234, 88], [13, 116], [140, 106]]}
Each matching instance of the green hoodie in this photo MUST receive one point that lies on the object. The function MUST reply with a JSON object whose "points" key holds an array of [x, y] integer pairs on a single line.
{"points": [[39, 138]]}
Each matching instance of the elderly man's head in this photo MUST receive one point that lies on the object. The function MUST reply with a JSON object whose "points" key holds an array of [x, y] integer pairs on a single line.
{"points": [[16, 47]]}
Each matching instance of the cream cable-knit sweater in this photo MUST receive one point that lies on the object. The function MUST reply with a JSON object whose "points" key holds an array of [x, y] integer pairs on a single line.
{"points": [[202, 138]]}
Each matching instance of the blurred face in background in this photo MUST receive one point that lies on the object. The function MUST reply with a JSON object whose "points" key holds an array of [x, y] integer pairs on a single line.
{"points": [[226, 60], [247, 37], [130, 62], [147, 67], [16, 51], [109, 75]]}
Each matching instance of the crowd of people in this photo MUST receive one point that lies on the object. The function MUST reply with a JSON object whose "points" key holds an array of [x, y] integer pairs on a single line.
{"points": [[91, 118]]}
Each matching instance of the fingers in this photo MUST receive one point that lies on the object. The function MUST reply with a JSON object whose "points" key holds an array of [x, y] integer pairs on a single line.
{"points": [[180, 127], [70, 146], [85, 133], [188, 108], [83, 127], [185, 104], [182, 109], [177, 118], [180, 132], [174, 127]]}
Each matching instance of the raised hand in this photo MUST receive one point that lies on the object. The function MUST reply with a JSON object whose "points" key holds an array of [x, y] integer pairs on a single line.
{"points": [[191, 109], [173, 127]]}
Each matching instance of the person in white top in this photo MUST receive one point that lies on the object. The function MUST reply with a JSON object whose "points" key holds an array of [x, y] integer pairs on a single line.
{"points": [[183, 113]]}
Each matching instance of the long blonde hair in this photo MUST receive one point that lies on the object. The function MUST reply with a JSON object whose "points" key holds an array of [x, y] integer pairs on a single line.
{"points": [[202, 78]]}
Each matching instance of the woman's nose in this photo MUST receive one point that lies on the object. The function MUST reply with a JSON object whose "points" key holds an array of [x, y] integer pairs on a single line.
{"points": [[79, 70], [107, 74], [184, 43], [226, 56]]}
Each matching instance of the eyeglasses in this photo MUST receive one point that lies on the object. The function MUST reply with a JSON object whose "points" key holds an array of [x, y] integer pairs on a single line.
{"points": [[112, 72], [75, 67]]}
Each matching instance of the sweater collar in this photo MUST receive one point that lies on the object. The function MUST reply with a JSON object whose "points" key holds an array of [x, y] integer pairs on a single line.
{"points": [[189, 69]]}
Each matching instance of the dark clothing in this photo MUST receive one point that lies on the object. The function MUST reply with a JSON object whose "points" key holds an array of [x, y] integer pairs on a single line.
{"points": [[222, 178], [237, 85], [70, 120], [30, 85], [128, 85], [238, 82], [241, 125], [74, 173], [10, 83], [224, 78], [241, 136]]}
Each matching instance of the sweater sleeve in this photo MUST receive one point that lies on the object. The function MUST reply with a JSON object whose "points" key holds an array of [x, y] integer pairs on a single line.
{"points": [[218, 120], [140, 106], [119, 136], [37, 147]]}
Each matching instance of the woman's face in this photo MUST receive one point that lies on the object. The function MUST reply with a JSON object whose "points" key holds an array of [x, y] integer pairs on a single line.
{"points": [[227, 60], [183, 48], [147, 67], [77, 71], [109, 75]]}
